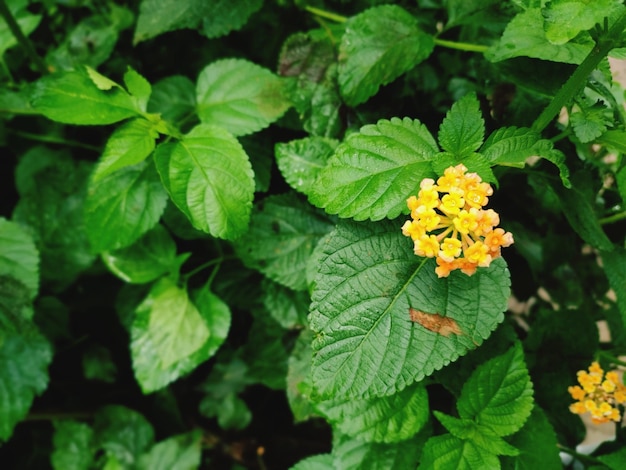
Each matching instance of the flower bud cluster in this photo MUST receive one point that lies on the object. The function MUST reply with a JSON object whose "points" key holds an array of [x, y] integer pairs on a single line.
{"points": [[598, 394], [448, 222]]}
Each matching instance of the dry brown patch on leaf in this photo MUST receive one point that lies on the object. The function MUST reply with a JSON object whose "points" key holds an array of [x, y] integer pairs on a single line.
{"points": [[445, 326]]}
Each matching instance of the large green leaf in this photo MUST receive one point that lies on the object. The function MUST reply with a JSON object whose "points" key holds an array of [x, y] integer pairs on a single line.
{"points": [[284, 230], [73, 446], [24, 360], [393, 418], [499, 393], [366, 343], [298, 369], [122, 206], [565, 19], [174, 98], [463, 129], [179, 452], [19, 257], [171, 335], [524, 36], [448, 451], [379, 45], [209, 177], [239, 96], [130, 144], [373, 171], [73, 98]]}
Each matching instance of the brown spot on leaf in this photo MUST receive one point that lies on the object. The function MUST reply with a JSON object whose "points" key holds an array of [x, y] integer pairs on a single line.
{"points": [[436, 323]]}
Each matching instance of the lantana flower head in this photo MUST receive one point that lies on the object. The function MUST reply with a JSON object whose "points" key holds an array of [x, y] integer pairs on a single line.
{"points": [[449, 222], [598, 394]]}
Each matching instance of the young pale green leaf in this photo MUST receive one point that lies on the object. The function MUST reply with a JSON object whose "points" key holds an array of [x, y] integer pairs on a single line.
{"points": [[448, 451], [19, 257], [580, 214], [131, 143], [590, 123], [52, 190], [499, 393], [379, 45], [288, 307], [537, 444], [393, 418], [373, 171], [524, 36], [480, 435], [170, 335], [615, 267], [74, 446], [463, 129], [124, 434], [174, 98], [284, 230], [301, 161], [179, 452], [24, 361], [350, 453], [150, 257], [366, 343], [138, 87], [239, 96], [209, 177], [565, 19], [315, 462], [73, 98], [122, 206]]}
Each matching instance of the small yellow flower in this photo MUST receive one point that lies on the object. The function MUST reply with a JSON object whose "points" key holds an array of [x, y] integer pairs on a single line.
{"points": [[413, 229], [598, 394], [452, 202], [426, 245], [466, 222], [427, 218], [450, 249]]}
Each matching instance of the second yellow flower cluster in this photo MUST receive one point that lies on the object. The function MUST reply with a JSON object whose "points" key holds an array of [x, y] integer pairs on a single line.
{"points": [[598, 394], [448, 222]]}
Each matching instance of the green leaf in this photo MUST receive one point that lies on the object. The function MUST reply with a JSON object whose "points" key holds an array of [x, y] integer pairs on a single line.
{"points": [[480, 435], [209, 177], [25, 20], [614, 460], [138, 87], [614, 263], [298, 370], [223, 16], [19, 257], [288, 307], [315, 462], [614, 139], [524, 36], [239, 96], [379, 45], [73, 98], [233, 413], [565, 19], [24, 361], [52, 189], [499, 393], [448, 451], [174, 98], [511, 146], [283, 233], [366, 343], [301, 161], [150, 257], [225, 381], [373, 171], [179, 452], [537, 444], [131, 143], [98, 364], [354, 454], [591, 122], [122, 206], [123, 434], [73, 446], [580, 214], [170, 335], [388, 419], [463, 129]]}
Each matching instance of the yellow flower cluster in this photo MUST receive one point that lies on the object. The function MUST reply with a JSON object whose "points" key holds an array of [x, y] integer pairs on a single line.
{"points": [[448, 222], [598, 394]]}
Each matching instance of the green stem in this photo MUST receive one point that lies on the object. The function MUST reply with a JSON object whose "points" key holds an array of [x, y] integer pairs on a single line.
{"points": [[584, 458], [53, 140], [578, 79], [21, 38], [611, 358], [461, 46], [326, 14], [613, 218], [208, 264]]}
